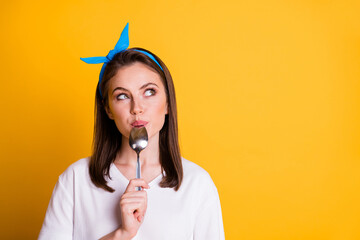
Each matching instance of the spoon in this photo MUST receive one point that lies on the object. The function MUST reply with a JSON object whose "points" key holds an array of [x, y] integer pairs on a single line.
{"points": [[138, 140]]}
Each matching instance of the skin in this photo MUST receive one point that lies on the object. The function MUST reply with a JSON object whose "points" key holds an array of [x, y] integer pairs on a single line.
{"points": [[136, 92]]}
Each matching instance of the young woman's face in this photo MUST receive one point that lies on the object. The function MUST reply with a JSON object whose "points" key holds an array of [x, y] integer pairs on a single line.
{"points": [[137, 98]]}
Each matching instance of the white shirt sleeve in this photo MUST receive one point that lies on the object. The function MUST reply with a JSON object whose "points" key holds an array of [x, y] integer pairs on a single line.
{"points": [[209, 224], [58, 223]]}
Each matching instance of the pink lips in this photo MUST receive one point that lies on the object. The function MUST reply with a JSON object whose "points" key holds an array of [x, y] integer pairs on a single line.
{"points": [[139, 123]]}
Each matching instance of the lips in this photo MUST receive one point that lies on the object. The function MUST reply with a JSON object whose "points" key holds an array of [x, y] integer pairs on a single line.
{"points": [[139, 123]]}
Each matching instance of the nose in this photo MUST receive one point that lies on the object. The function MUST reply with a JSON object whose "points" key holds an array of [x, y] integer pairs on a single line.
{"points": [[136, 107]]}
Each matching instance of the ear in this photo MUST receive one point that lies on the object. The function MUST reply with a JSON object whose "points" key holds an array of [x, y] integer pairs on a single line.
{"points": [[167, 109], [109, 113]]}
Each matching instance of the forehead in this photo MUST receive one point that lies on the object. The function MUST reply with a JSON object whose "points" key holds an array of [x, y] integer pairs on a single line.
{"points": [[135, 76]]}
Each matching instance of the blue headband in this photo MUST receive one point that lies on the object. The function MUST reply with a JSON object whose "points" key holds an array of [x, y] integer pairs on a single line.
{"points": [[121, 45]]}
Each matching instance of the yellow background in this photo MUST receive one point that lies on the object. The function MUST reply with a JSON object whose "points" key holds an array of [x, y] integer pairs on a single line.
{"points": [[268, 98]]}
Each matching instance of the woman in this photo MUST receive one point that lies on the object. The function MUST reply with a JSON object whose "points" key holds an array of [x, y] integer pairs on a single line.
{"points": [[94, 197]]}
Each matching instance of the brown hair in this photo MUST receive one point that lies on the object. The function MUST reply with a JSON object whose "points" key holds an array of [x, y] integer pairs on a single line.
{"points": [[107, 138]]}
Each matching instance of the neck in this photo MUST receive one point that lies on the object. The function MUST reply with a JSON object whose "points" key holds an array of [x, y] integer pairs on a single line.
{"points": [[149, 156]]}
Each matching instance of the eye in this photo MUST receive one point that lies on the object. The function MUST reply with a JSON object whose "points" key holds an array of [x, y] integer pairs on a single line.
{"points": [[121, 96], [150, 92]]}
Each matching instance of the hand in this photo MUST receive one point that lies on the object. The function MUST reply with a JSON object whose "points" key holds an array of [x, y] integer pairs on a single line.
{"points": [[133, 206]]}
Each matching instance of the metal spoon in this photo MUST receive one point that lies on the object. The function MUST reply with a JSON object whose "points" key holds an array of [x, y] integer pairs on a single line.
{"points": [[138, 140]]}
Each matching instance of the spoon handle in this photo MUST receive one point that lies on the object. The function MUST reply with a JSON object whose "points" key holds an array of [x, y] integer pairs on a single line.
{"points": [[138, 170]]}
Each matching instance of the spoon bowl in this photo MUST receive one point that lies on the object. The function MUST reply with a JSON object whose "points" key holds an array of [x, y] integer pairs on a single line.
{"points": [[138, 139]]}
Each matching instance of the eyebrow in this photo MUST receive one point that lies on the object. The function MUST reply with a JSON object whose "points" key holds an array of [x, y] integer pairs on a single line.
{"points": [[142, 87]]}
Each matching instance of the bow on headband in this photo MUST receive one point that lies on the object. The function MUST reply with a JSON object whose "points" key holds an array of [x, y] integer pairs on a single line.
{"points": [[121, 45]]}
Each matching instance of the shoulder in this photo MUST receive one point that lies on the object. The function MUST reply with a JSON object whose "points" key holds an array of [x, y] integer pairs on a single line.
{"points": [[191, 169], [78, 166], [78, 170], [196, 176]]}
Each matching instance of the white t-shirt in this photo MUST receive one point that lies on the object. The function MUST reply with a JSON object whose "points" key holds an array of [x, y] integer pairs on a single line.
{"points": [[80, 210]]}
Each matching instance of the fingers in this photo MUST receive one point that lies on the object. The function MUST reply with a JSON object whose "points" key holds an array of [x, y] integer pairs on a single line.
{"points": [[134, 209], [136, 182], [139, 216], [134, 197], [134, 203]]}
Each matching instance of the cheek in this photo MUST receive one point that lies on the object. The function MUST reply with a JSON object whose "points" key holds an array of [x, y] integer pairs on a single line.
{"points": [[120, 119], [159, 114], [162, 106], [122, 127], [162, 109], [119, 110]]}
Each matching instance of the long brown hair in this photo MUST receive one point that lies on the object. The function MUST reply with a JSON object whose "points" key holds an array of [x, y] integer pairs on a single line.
{"points": [[107, 138]]}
